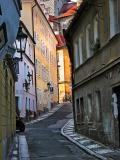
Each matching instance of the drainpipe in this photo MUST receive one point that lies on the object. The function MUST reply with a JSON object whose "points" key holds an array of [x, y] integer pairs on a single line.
{"points": [[34, 61]]}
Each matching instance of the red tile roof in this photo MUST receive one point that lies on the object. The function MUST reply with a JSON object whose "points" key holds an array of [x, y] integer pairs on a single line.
{"points": [[68, 12], [61, 41], [67, 6]]}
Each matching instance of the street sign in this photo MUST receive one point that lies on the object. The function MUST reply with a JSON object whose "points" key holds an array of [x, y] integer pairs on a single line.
{"points": [[51, 90]]}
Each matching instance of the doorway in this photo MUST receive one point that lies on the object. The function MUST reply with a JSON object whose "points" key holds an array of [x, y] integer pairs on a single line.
{"points": [[116, 99]]}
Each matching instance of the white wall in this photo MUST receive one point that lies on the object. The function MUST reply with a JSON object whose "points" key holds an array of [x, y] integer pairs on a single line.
{"points": [[20, 89]]}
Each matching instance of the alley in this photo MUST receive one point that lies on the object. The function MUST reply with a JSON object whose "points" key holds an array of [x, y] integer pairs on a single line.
{"points": [[45, 141]]}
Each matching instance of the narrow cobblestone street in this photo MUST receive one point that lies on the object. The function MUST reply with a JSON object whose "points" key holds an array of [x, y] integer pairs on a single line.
{"points": [[46, 142]]}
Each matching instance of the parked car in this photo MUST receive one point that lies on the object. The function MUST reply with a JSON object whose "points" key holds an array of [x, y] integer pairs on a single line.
{"points": [[20, 125]]}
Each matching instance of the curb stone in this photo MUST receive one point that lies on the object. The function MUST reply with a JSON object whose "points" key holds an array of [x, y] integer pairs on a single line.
{"points": [[90, 146]]}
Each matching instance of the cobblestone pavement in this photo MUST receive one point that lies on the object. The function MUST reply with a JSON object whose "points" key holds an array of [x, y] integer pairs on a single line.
{"points": [[45, 141]]}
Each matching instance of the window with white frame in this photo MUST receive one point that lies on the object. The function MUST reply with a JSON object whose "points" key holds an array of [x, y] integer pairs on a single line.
{"points": [[89, 104], [113, 11], [88, 41], [80, 50], [96, 36]]}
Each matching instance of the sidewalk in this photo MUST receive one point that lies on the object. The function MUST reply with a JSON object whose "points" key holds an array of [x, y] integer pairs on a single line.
{"points": [[46, 115], [20, 147], [92, 147]]}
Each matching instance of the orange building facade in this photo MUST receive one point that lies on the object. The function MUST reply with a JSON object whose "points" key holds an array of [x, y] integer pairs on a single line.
{"points": [[64, 75]]}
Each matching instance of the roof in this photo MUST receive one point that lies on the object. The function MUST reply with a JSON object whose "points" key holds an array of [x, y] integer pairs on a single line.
{"points": [[67, 6], [61, 41], [77, 15], [68, 11], [72, 27]]}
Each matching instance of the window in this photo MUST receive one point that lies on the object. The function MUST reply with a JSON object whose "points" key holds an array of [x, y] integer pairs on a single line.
{"points": [[98, 105], [17, 104], [89, 103], [29, 104], [113, 9], [26, 106], [33, 105], [88, 41], [96, 28], [76, 54], [30, 50], [77, 110], [24, 70], [32, 77], [80, 50], [0, 11], [37, 67], [82, 109], [43, 73], [27, 72], [17, 67]]}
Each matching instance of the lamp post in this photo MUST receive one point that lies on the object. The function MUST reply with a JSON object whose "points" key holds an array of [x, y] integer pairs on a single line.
{"points": [[20, 42]]}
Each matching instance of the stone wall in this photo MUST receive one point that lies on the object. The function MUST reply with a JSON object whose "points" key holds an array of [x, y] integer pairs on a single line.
{"points": [[8, 112]]}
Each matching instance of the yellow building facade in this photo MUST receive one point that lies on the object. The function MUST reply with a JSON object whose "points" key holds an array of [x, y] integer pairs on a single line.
{"points": [[45, 53], [8, 109], [64, 74], [46, 63]]}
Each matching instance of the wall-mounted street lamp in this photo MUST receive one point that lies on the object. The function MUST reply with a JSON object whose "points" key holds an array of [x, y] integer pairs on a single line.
{"points": [[26, 84], [20, 42], [48, 85], [29, 77]]}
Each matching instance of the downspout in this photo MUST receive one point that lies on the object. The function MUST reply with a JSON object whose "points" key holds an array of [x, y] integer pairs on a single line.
{"points": [[34, 61], [57, 73]]}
